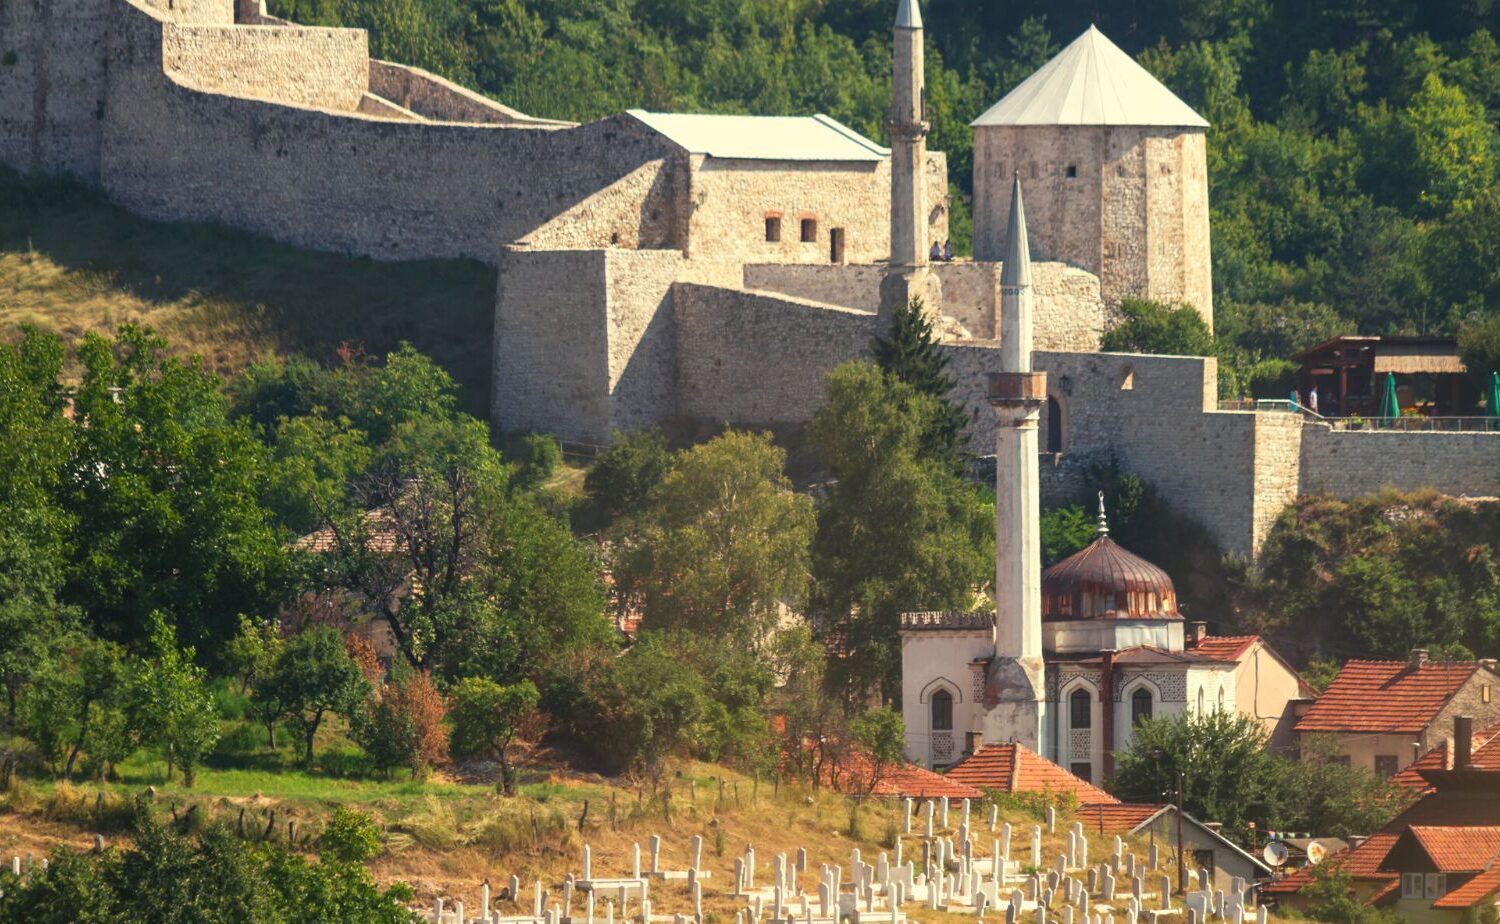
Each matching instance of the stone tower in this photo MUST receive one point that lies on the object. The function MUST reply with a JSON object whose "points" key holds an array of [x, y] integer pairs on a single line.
{"points": [[1116, 172], [1015, 694], [908, 276]]}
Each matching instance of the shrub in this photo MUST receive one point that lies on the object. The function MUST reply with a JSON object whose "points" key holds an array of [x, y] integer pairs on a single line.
{"points": [[402, 725], [349, 837]]}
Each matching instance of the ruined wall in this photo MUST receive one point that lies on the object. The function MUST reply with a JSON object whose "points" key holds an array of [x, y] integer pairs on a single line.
{"points": [[440, 100], [52, 82], [318, 68], [1347, 463], [392, 190], [732, 198], [546, 299], [1134, 211], [755, 358]]}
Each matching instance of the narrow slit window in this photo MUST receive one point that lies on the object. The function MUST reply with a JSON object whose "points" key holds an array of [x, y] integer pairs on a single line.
{"points": [[809, 230], [773, 228]]}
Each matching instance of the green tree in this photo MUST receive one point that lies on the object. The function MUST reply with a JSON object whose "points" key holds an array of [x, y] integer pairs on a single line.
{"points": [[899, 531], [642, 707], [1455, 145], [723, 543], [487, 717], [312, 677], [76, 702], [909, 352], [1065, 530], [402, 723], [349, 837], [1151, 327], [1227, 773], [881, 736], [171, 702], [624, 475]]}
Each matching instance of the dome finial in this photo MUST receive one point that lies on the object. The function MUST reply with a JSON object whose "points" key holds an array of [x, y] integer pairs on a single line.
{"points": [[1103, 521]]}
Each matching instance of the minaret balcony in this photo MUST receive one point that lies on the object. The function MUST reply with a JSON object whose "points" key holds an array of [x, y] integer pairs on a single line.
{"points": [[1010, 389]]}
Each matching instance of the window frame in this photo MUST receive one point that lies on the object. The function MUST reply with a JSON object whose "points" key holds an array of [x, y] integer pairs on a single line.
{"points": [[1391, 761], [773, 229], [1135, 699], [807, 229], [1088, 709], [945, 698]]}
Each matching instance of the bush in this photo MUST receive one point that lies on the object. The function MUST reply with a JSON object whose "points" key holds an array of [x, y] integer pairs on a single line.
{"points": [[537, 456], [1152, 327], [350, 837], [402, 725]]}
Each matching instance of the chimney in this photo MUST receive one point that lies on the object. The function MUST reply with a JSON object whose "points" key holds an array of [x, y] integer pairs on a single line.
{"points": [[1197, 632], [971, 742], [1418, 658], [1463, 741]]}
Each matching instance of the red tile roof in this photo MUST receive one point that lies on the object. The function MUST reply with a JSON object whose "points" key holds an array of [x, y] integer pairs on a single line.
{"points": [[1225, 647], [1472, 892], [1486, 753], [1458, 850], [852, 771], [1115, 817], [1013, 768], [1385, 697]]}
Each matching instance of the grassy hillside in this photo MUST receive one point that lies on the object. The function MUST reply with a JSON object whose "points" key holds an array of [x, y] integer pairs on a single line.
{"points": [[72, 263]]}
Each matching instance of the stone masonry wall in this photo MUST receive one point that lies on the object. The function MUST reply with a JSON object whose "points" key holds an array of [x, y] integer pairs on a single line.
{"points": [[343, 182], [755, 358], [317, 68], [548, 300], [433, 97], [640, 210], [52, 85], [732, 198], [1347, 464], [1134, 211], [201, 12]]}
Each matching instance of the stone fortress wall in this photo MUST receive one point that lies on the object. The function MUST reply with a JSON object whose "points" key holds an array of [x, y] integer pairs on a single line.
{"points": [[1128, 204]]}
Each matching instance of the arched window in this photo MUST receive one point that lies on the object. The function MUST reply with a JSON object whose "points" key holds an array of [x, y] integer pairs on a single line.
{"points": [[1221, 699], [1201, 701], [942, 711], [1081, 711], [1140, 706], [1054, 425]]}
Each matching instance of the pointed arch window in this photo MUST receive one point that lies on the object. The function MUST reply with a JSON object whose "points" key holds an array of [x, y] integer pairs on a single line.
{"points": [[1140, 706], [1080, 710], [942, 711]]}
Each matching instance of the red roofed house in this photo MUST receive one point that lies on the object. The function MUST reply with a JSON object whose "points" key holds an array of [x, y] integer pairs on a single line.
{"points": [[1014, 768], [1381, 715], [1437, 860]]}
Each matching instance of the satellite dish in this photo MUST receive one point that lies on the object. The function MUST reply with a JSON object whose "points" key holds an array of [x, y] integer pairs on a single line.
{"points": [[1275, 853], [1316, 852]]}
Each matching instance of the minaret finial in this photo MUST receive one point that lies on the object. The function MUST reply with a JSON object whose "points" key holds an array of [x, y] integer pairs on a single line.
{"points": [[908, 15], [1103, 521], [1016, 271]]}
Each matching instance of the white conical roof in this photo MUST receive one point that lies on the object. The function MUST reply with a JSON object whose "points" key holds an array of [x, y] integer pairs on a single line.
{"points": [[908, 14], [1091, 82]]}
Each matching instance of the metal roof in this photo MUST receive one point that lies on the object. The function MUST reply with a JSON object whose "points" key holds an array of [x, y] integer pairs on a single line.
{"points": [[908, 15], [1091, 82], [741, 137]]}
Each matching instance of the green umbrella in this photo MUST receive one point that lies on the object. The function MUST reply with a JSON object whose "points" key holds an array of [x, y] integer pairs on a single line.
{"points": [[1389, 406], [1494, 407]]}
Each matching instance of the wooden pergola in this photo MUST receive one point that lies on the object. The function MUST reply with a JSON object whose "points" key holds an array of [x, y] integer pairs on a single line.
{"points": [[1348, 372]]}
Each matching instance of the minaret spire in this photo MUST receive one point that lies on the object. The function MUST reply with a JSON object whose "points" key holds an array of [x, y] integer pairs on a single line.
{"points": [[1015, 688], [907, 276], [1103, 529]]}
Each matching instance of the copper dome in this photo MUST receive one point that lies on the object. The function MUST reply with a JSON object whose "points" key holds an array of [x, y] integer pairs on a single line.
{"points": [[1103, 581]]}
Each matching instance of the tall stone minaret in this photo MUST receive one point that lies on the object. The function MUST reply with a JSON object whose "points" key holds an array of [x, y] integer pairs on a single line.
{"points": [[908, 276], [1015, 693]]}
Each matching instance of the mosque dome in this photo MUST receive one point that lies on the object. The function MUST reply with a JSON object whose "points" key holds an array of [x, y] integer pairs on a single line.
{"points": [[1104, 581]]}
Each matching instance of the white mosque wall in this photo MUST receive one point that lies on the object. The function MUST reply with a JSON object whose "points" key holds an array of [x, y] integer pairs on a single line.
{"points": [[942, 660], [1095, 635]]}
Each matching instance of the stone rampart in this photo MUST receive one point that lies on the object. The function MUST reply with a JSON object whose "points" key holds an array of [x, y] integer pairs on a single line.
{"points": [[640, 210], [440, 100], [199, 12], [315, 68], [1348, 463], [756, 358], [340, 181], [52, 85]]}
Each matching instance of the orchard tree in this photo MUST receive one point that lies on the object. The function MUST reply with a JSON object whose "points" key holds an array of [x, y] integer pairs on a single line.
{"points": [[724, 542], [402, 723], [622, 478], [488, 717], [313, 676], [171, 701]]}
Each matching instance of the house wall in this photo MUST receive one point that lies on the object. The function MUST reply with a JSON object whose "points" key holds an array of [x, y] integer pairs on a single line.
{"points": [[1228, 862], [1135, 213], [1264, 689]]}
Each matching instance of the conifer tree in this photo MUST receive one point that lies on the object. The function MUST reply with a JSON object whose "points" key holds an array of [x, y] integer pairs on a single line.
{"points": [[909, 352]]}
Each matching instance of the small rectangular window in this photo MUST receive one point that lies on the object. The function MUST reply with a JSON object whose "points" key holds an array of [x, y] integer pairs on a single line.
{"points": [[1484, 693], [1385, 765], [1437, 885], [809, 230], [1072, 171], [1083, 771], [773, 228], [1411, 885]]}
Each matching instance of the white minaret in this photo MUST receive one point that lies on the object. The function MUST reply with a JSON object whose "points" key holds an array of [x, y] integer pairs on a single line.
{"points": [[907, 276], [1015, 692]]}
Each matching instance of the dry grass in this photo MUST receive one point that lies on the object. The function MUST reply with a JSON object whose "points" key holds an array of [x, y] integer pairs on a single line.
{"points": [[72, 264]]}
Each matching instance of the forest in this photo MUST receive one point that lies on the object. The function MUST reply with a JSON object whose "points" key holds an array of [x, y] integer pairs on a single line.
{"points": [[1352, 149]]}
